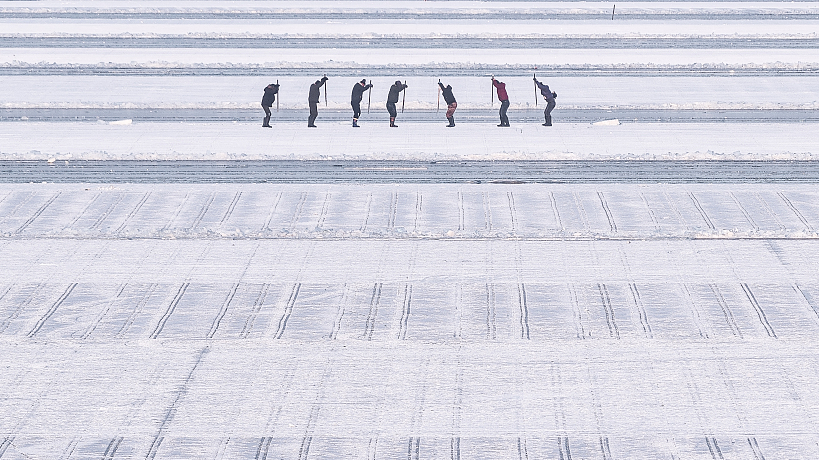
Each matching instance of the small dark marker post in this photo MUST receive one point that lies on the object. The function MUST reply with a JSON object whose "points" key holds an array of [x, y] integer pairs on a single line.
{"points": [[612, 11]]}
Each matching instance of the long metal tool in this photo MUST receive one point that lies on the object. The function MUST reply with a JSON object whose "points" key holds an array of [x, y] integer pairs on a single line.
{"points": [[534, 75], [278, 94], [439, 96], [369, 96], [404, 98], [325, 91]]}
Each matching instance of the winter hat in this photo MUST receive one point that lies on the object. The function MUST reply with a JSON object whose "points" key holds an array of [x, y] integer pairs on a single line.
{"points": [[363, 81]]}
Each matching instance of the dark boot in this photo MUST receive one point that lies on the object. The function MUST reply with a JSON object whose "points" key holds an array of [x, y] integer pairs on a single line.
{"points": [[451, 122], [355, 123], [392, 123], [548, 121]]}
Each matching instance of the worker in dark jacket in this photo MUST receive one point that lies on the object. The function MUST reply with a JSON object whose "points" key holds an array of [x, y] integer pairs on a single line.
{"points": [[313, 99], [267, 102], [392, 99], [355, 99], [451, 104], [504, 100], [550, 96]]}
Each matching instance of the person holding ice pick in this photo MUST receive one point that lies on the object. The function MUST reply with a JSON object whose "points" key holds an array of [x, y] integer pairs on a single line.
{"points": [[313, 100], [550, 96], [355, 99], [504, 100], [392, 99], [267, 102], [451, 104]]}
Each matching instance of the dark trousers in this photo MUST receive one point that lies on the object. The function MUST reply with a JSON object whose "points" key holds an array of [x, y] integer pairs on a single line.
{"points": [[267, 115], [391, 109], [313, 113], [356, 109], [504, 119], [547, 114]]}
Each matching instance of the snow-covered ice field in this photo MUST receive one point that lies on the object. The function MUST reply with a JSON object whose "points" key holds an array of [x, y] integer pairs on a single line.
{"points": [[623, 317]]}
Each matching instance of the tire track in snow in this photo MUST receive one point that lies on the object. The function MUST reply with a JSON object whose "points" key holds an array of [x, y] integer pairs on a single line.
{"points": [[651, 212], [605, 449], [760, 313], [369, 324], [37, 213], [222, 311], [342, 310], [22, 306], [169, 311], [288, 310], [701, 211], [726, 311], [799, 215], [563, 449], [405, 313], [133, 212], [605, 299], [50, 312], [609, 216]]}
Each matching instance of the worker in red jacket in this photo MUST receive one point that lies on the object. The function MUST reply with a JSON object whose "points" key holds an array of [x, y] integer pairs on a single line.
{"points": [[504, 100]]}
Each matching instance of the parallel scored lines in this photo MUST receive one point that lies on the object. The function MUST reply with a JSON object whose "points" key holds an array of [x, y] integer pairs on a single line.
{"points": [[524, 312], [288, 310], [702, 211], [638, 303], [510, 197], [795, 211], [52, 310], [107, 211], [726, 311], [614, 331], [264, 447], [523, 452], [755, 448], [257, 307], [231, 207], [133, 212], [604, 448], [760, 313], [111, 450], [455, 448], [393, 210], [171, 307], [37, 213], [713, 448], [369, 325], [414, 449], [137, 310], [5, 444], [103, 313], [222, 311], [491, 325], [405, 313], [203, 211], [563, 448], [744, 212], [609, 216]]}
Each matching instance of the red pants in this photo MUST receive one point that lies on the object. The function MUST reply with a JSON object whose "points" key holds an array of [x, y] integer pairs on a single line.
{"points": [[450, 109]]}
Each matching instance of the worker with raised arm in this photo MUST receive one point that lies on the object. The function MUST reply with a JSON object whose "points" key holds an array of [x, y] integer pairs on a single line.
{"points": [[355, 99], [451, 104], [500, 87], [550, 96], [392, 99], [313, 100]]}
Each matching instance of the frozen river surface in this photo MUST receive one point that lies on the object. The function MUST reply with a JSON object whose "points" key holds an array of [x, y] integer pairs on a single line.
{"points": [[409, 321]]}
